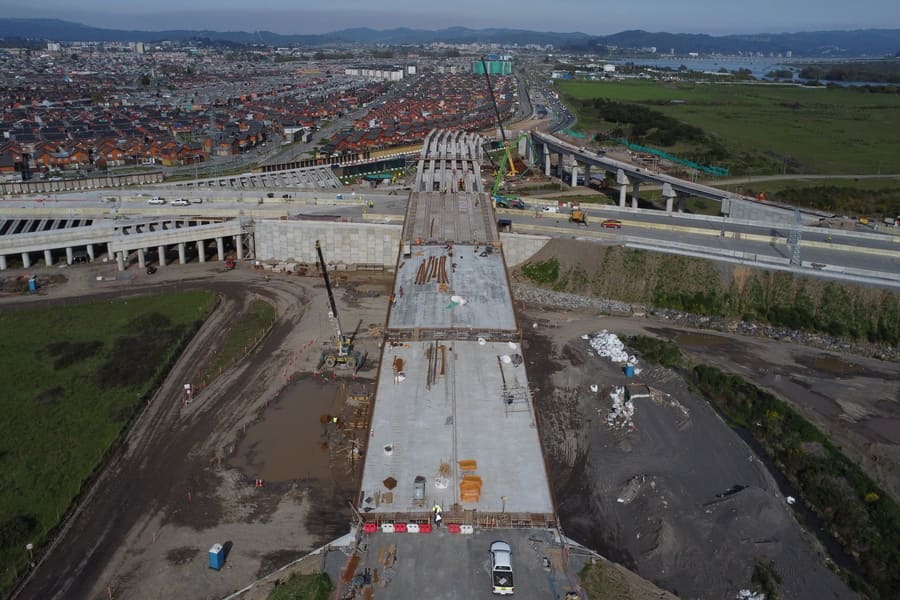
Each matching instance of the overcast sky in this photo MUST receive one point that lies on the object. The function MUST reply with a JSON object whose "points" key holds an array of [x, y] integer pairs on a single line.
{"points": [[588, 16]]}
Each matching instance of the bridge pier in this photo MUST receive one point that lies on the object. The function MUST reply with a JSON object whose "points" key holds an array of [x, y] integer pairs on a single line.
{"points": [[546, 158], [48, 258], [161, 252], [622, 180], [142, 258], [70, 255], [2, 262], [201, 251], [109, 251], [26, 260], [182, 258], [575, 175], [669, 194], [587, 175], [120, 260], [220, 247], [90, 252], [635, 194], [559, 165], [239, 245]]}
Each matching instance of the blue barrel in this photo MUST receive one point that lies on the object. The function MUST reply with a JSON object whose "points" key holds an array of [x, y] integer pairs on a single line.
{"points": [[216, 557], [629, 370]]}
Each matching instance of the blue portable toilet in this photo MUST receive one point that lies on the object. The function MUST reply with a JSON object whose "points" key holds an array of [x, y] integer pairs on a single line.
{"points": [[32, 284], [216, 557], [629, 370]]}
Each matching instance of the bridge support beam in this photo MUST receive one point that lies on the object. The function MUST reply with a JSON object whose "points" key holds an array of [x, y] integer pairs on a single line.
{"points": [[48, 258], [142, 258], [2, 262], [70, 256], [220, 247], [90, 252], [182, 258], [546, 159], [635, 194], [201, 250], [120, 260], [26, 260], [239, 245], [161, 252]]}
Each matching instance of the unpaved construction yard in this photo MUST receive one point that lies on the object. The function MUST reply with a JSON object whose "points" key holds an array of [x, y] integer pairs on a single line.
{"points": [[697, 508], [674, 493], [185, 478]]}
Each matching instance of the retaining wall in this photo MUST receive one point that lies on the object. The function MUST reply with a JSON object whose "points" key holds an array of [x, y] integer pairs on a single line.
{"points": [[519, 247], [342, 243]]}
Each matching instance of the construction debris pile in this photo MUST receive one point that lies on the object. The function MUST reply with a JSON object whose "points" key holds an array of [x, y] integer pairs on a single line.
{"points": [[608, 345], [621, 414]]}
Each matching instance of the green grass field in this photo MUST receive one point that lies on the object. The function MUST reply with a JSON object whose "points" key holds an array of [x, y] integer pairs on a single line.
{"points": [[766, 128], [72, 378], [245, 332]]}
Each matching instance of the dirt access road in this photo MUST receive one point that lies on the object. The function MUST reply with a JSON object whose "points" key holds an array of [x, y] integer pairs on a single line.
{"points": [[170, 491], [680, 498]]}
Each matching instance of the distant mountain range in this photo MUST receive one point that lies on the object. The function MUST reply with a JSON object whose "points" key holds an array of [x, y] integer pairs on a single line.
{"points": [[824, 44]]}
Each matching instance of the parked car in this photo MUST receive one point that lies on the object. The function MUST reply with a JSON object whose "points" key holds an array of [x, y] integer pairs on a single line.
{"points": [[181, 202], [611, 224], [156, 200], [501, 569]]}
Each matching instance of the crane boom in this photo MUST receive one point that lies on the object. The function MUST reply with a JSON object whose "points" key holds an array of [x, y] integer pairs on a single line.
{"points": [[330, 293], [507, 155]]}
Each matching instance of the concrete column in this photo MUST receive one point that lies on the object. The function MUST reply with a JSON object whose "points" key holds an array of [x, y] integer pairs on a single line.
{"points": [[669, 200], [70, 256], [182, 259], [201, 251], [142, 259], [669, 194], [623, 193], [161, 251], [120, 260], [575, 175], [2, 262], [587, 175], [220, 246], [239, 244], [559, 165], [635, 194], [48, 258], [90, 252], [26, 260], [546, 158]]}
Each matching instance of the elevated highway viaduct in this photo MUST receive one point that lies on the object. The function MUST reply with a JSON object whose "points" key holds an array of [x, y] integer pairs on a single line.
{"points": [[733, 205]]}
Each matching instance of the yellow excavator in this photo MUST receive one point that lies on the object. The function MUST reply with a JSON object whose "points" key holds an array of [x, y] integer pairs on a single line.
{"points": [[343, 354]]}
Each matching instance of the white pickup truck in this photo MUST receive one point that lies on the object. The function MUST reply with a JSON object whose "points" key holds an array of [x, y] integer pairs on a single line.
{"points": [[501, 569]]}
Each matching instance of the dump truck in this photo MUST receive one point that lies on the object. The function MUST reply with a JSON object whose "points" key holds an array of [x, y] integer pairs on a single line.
{"points": [[578, 216]]}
